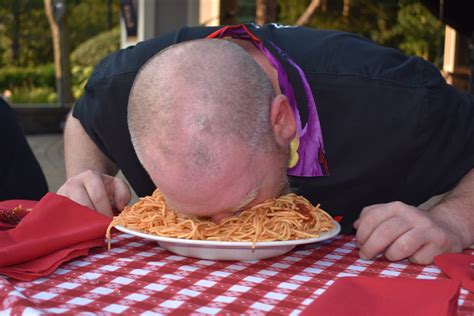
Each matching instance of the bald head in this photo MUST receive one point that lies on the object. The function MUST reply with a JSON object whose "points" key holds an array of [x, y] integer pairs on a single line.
{"points": [[193, 98], [207, 127]]}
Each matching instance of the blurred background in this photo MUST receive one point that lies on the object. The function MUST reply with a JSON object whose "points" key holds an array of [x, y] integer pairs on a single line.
{"points": [[48, 48]]}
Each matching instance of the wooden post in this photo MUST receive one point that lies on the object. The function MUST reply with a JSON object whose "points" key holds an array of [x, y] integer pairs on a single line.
{"points": [[304, 18], [471, 61], [265, 11], [56, 13], [456, 59], [346, 9]]}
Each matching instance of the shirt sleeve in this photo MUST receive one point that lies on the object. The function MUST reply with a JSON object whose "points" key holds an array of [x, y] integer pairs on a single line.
{"points": [[85, 110], [446, 140], [102, 109]]}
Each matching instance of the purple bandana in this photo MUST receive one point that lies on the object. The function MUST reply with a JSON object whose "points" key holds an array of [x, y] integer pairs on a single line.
{"points": [[311, 160]]}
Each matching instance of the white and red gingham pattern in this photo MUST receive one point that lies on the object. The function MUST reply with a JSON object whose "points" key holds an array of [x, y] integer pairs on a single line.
{"points": [[139, 277]]}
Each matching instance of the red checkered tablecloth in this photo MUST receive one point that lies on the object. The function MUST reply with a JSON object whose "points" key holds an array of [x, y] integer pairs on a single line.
{"points": [[139, 277]]}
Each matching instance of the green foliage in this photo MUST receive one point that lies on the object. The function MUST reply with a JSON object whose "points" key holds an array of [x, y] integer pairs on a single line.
{"points": [[33, 95], [89, 54], [291, 10], [25, 36], [29, 84], [88, 18], [37, 84], [26, 77], [96, 48], [80, 75], [25, 42], [403, 24], [417, 31], [369, 18], [246, 11]]}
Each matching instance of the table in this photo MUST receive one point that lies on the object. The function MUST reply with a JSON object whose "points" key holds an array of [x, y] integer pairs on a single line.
{"points": [[139, 277]]}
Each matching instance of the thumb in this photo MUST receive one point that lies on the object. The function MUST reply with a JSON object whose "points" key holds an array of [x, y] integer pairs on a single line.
{"points": [[119, 192]]}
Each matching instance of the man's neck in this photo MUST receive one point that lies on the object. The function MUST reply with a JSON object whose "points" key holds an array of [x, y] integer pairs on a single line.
{"points": [[261, 60]]}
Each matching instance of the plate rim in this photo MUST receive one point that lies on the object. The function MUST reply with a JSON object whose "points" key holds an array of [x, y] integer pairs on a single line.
{"points": [[214, 243]]}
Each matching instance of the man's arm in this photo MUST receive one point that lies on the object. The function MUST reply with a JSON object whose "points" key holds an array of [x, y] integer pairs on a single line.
{"points": [[456, 210], [90, 173], [80, 152], [404, 231]]}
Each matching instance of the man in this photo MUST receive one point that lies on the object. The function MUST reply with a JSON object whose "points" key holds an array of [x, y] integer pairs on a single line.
{"points": [[217, 124]]}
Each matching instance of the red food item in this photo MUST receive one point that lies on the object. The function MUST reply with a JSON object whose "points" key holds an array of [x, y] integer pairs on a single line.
{"points": [[305, 211], [10, 217]]}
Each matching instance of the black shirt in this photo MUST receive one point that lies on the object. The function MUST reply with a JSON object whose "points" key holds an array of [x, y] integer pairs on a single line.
{"points": [[393, 129]]}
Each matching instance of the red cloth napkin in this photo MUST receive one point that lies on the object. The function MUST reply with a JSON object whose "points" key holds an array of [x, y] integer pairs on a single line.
{"points": [[55, 231], [458, 267], [364, 295], [10, 216]]}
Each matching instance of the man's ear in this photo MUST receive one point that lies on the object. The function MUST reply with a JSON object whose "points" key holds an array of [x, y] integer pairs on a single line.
{"points": [[282, 120]]}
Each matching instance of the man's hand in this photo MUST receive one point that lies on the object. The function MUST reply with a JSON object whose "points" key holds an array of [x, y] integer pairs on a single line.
{"points": [[89, 172], [100, 192], [403, 231]]}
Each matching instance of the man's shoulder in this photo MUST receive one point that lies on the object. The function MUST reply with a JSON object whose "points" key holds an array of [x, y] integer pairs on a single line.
{"points": [[127, 62], [339, 53]]}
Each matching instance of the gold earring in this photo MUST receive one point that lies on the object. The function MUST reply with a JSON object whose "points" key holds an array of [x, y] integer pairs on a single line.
{"points": [[294, 157]]}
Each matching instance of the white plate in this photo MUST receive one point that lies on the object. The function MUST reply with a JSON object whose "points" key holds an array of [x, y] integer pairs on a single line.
{"points": [[229, 250]]}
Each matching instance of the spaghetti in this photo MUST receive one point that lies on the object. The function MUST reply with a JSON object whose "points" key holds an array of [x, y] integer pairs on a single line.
{"points": [[287, 217]]}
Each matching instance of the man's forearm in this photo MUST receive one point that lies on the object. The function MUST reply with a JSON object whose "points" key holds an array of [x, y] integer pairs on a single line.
{"points": [[80, 152], [456, 210]]}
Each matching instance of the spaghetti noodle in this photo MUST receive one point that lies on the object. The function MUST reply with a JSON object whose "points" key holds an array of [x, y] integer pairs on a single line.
{"points": [[287, 217]]}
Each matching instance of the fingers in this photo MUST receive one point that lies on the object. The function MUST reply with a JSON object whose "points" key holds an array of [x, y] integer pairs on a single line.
{"points": [[364, 212], [372, 216], [439, 240], [76, 192], [396, 228], [99, 192], [403, 231], [382, 236], [405, 246], [367, 209], [95, 188], [121, 194], [426, 254]]}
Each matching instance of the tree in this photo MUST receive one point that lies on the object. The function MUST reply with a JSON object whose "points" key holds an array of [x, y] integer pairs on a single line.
{"points": [[57, 17], [15, 46], [346, 9], [87, 18], [304, 18], [417, 31], [24, 34], [266, 11], [403, 24]]}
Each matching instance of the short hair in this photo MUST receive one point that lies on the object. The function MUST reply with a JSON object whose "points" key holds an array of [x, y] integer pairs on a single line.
{"points": [[215, 82]]}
